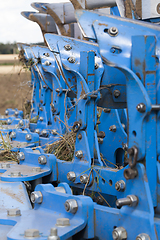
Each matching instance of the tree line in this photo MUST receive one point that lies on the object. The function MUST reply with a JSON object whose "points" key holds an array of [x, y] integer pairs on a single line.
{"points": [[11, 48]]}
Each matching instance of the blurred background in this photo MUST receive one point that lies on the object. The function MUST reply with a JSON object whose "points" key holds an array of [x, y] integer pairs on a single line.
{"points": [[14, 78]]}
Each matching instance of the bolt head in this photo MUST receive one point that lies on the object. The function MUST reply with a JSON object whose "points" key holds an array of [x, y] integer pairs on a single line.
{"points": [[116, 93], [28, 137], [141, 107], [96, 66], [54, 132], [143, 236], [44, 133], [41, 119], [67, 47], [106, 110], [16, 113], [79, 154], [13, 212], [47, 63], [20, 156], [100, 140], [21, 123], [71, 60], [36, 197], [6, 112], [46, 54], [42, 159], [71, 206], [36, 169], [9, 121], [31, 233], [63, 222], [113, 31], [119, 233], [120, 186], [37, 131], [5, 165], [12, 135], [113, 128], [71, 176], [84, 178], [15, 174]]}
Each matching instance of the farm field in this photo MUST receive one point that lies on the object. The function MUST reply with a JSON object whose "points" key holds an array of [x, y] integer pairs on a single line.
{"points": [[14, 90]]}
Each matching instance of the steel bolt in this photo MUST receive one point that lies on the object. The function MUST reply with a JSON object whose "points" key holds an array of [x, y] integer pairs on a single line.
{"points": [[100, 140], [101, 134], [46, 54], [36, 197], [12, 135], [31, 233], [113, 128], [47, 63], [116, 93], [53, 234], [44, 86], [42, 160], [13, 212], [37, 131], [120, 186], [143, 236], [16, 113], [113, 31], [21, 123], [71, 60], [79, 154], [67, 47], [44, 133], [119, 233], [20, 156], [15, 174], [79, 136], [41, 108], [9, 121], [63, 222], [28, 137], [41, 119], [71, 176], [141, 107], [84, 178], [99, 200], [96, 66], [5, 165], [36, 169], [54, 132], [130, 200], [57, 90], [71, 206], [6, 112], [106, 110]]}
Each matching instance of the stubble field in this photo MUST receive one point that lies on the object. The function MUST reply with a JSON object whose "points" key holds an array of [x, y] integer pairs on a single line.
{"points": [[14, 89]]}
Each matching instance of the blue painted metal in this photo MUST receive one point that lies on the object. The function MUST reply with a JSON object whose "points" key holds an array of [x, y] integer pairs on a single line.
{"points": [[107, 90]]}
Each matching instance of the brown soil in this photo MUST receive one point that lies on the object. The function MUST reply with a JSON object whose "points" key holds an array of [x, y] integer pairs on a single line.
{"points": [[14, 89]]}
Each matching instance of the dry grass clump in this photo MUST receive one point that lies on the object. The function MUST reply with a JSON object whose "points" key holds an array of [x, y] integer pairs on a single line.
{"points": [[63, 148], [5, 150]]}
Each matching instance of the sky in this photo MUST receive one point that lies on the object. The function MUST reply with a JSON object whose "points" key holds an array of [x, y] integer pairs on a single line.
{"points": [[14, 27]]}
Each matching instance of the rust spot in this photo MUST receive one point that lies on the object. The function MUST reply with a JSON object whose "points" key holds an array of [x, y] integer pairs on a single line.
{"points": [[83, 91], [138, 75], [55, 119], [137, 62], [103, 24]]}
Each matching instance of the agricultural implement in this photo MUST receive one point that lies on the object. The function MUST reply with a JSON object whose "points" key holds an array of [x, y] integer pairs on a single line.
{"points": [[85, 164]]}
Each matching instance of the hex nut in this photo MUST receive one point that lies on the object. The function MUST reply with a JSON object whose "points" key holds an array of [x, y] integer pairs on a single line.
{"points": [[84, 178], [67, 47], [79, 154], [71, 176], [36, 169], [20, 156], [120, 186], [9, 121], [143, 236], [12, 135], [37, 131], [41, 119], [54, 132], [63, 222], [71, 60], [21, 123], [15, 174], [5, 165], [14, 212], [28, 137], [53, 234], [42, 159], [16, 113], [113, 31], [31, 233], [36, 197], [119, 233], [6, 112], [71, 206]]}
